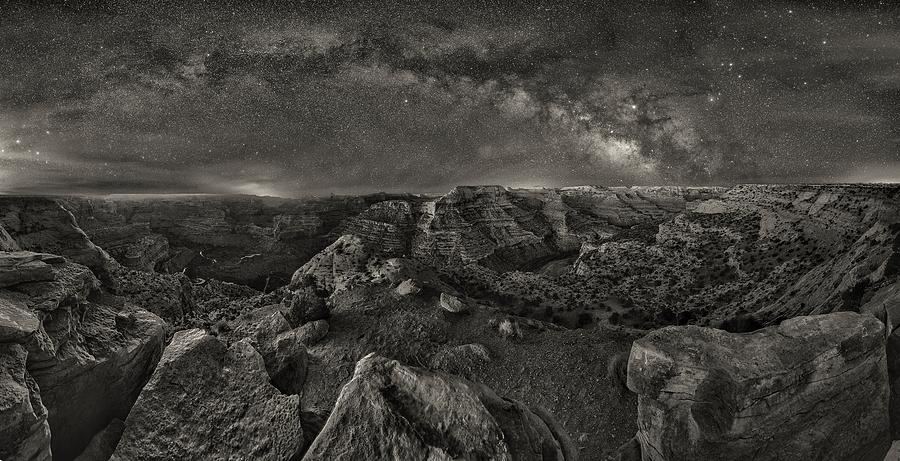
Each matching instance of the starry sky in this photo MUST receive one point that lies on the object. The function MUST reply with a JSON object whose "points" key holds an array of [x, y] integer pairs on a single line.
{"points": [[319, 97]]}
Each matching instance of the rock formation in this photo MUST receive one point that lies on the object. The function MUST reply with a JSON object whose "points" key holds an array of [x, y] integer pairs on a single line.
{"points": [[42, 224], [885, 305], [554, 283], [453, 304], [283, 350], [24, 431], [257, 241], [88, 353], [408, 287], [25, 266], [209, 401], [390, 411], [812, 388]]}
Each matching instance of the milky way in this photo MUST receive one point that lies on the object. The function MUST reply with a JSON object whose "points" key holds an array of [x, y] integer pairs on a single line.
{"points": [[305, 98]]}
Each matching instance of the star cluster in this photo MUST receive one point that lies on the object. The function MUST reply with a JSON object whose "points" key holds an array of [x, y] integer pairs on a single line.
{"points": [[299, 98]]}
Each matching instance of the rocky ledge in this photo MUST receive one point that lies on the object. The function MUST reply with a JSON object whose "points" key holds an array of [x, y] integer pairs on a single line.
{"points": [[812, 388], [75, 357]]}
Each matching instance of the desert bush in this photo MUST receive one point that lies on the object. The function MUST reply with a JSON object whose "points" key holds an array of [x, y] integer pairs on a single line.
{"points": [[509, 329]]}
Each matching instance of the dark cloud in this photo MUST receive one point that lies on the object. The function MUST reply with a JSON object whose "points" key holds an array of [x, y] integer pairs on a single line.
{"points": [[317, 97]]}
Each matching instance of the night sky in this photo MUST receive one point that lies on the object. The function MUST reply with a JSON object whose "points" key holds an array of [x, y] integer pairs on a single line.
{"points": [[301, 98]]}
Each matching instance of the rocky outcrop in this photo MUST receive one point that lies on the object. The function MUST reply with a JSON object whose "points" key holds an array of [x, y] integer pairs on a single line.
{"points": [[335, 267], [209, 401], [812, 388], [885, 305], [132, 245], [773, 251], [170, 296], [93, 382], [24, 431], [391, 411], [385, 226], [7, 243], [88, 353], [25, 266], [43, 225], [283, 350], [507, 229], [496, 227], [256, 241]]}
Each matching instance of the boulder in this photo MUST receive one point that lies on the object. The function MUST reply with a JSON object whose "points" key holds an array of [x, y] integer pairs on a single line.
{"points": [[263, 322], [408, 287], [286, 361], [311, 333], [283, 352], [391, 411], [209, 401], [453, 304], [24, 431], [812, 388], [332, 268], [305, 306]]}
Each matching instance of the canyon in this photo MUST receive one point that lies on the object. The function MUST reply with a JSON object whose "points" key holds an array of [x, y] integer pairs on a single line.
{"points": [[654, 323]]}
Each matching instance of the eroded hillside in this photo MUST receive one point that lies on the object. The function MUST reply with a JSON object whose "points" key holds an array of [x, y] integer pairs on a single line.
{"points": [[520, 302]]}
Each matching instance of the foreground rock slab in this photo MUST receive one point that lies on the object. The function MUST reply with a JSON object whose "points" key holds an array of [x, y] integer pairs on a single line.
{"points": [[209, 401], [812, 388], [390, 411]]}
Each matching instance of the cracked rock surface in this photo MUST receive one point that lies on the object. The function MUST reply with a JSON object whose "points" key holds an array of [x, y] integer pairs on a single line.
{"points": [[812, 388], [209, 401], [392, 411]]}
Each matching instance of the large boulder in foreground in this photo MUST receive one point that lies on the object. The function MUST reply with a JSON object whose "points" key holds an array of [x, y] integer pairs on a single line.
{"points": [[209, 401], [391, 411], [812, 388]]}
